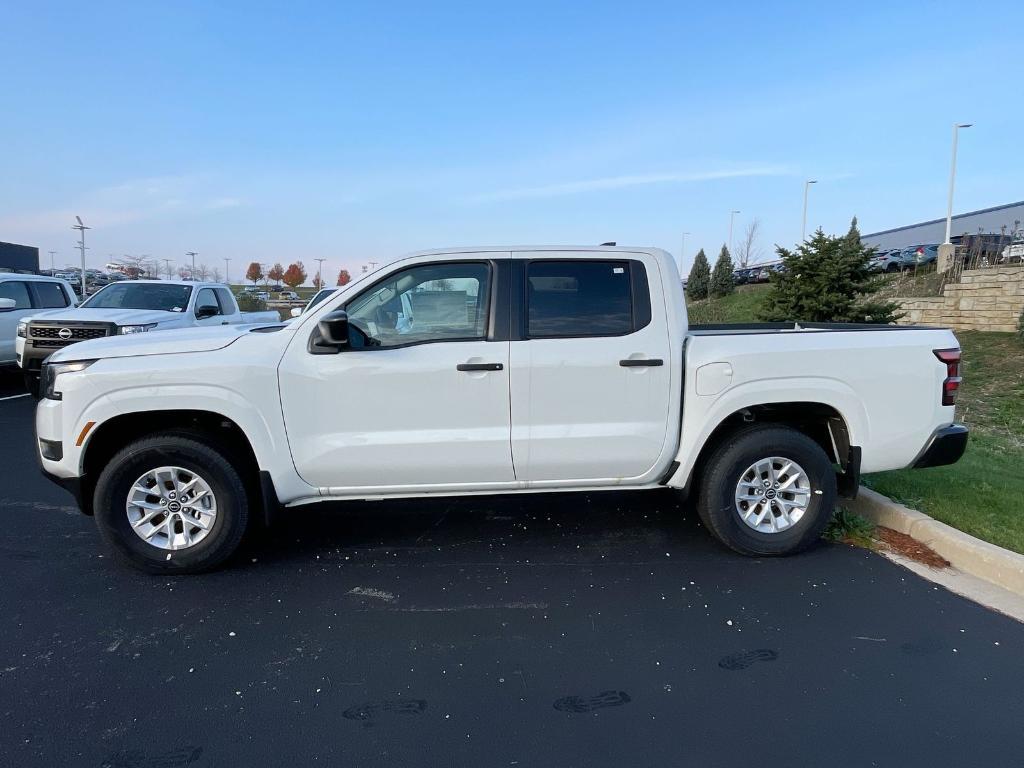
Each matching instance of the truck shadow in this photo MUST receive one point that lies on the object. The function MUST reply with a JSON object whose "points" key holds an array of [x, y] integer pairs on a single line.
{"points": [[11, 382], [542, 527]]}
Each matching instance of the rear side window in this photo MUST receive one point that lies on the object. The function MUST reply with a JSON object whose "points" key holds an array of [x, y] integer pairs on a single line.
{"points": [[49, 295], [579, 298], [17, 290]]}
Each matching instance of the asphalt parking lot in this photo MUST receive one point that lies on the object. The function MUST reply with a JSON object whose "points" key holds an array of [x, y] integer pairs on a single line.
{"points": [[565, 629]]}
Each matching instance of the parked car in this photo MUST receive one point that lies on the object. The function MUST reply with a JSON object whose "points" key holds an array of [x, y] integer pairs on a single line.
{"points": [[131, 307], [1014, 252], [435, 377], [288, 296], [21, 296], [923, 255], [887, 261]]}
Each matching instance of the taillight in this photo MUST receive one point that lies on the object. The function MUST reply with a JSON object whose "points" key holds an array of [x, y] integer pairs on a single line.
{"points": [[951, 384]]}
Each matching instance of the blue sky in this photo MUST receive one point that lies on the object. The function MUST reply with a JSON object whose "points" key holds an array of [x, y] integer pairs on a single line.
{"points": [[360, 131]]}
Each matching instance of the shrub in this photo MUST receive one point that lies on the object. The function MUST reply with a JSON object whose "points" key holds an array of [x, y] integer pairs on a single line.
{"points": [[721, 278], [249, 303]]}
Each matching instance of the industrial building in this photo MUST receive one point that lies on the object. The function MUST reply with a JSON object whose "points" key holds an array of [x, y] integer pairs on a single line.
{"points": [[18, 258], [1000, 220]]}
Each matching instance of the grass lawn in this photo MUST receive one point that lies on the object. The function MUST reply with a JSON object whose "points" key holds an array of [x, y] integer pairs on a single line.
{"points": [[983, 493]]}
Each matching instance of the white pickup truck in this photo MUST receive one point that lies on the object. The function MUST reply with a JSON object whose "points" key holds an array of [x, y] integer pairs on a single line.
{"points": [[124, 308], [483, 371]]}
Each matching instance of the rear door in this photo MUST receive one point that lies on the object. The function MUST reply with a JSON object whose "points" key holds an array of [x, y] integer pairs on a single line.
{"points": [[591, 373]]}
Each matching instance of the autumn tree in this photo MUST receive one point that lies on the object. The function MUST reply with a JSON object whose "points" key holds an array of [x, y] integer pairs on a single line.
{"points": [[344, 278], [276, 273], [254, 272], [295, 275], [318, 282]]}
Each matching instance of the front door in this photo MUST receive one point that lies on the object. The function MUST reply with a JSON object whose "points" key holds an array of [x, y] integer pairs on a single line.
{"points": [[18, 291], [420, 399], [591, 380]]}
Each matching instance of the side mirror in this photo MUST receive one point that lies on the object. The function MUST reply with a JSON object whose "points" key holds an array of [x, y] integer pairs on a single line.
{"points": [[6, 305], [334, 328], [296, 311], [206, 311]]}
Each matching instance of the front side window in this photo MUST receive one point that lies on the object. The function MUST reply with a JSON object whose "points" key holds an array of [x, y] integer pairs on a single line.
{"points": [[50, 295], [206, 303], [17, 290], [431, 302], [579, 298]]}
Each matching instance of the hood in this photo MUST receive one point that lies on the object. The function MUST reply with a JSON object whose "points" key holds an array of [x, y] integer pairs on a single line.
{"points": [[171, 342], [118, 316]]}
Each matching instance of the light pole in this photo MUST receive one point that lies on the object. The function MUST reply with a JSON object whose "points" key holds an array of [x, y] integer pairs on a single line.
{"points": [[682, 252], [167, 268], [52, 254], [319, 273], [81, 245], [803, 225], [227, 278], [193, 254], [952, 179], [732, 215]]}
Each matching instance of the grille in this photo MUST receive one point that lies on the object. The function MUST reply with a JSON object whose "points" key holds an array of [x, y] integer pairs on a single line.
{"points": [[78, 333]]}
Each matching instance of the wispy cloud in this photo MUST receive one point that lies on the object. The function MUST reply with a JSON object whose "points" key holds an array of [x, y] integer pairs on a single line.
{"points": [[634, 180]]}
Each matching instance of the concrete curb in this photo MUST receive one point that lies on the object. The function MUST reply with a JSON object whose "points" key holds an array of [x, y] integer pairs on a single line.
{"points": [[966, 553]]}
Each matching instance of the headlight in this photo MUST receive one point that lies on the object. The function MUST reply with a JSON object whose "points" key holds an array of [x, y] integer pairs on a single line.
{"points": [[124, 330], [48, 377], [23, 329]]}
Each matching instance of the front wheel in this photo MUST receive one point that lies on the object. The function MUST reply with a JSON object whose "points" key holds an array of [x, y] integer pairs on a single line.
{"points": [[768, 490], [170, 504]]}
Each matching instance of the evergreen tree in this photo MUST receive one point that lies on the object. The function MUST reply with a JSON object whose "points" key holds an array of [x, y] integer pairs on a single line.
{"points": [[721, 278], [700, 277], [826, 280]]}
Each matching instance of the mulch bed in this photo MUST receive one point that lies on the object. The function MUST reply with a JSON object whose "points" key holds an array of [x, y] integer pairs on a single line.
{"points": [[901, 544]]}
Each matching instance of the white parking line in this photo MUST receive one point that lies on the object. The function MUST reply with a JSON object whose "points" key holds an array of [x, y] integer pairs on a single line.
{"points": [[14, 397]]}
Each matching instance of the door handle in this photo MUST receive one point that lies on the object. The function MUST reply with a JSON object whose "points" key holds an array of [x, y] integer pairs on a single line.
{"points": [[650, 363], [479, 367]]}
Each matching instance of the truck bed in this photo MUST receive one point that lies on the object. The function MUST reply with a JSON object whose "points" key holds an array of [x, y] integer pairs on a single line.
{"points": [[724, 329]]}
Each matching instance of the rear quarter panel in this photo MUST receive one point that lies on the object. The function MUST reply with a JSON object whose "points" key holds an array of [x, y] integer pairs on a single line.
{"points": [[885, 384]]}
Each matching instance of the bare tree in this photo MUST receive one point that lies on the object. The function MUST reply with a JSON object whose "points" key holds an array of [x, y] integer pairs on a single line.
{"points": [[202, 272], [169, 271], [748, 250], [215, 275], [184, 273], [136, 266]]}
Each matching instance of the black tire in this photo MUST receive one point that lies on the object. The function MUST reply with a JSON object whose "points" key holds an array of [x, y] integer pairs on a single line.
{"points": [[723, 470], [32, 384], [215, 466]]}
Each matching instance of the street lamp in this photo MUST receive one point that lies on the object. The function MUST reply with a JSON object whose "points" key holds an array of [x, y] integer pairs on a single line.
{"points": [[952, 179], [319, 273], [81, 245], [803, 225], [193, 254], [732, 215], [227, 278]]}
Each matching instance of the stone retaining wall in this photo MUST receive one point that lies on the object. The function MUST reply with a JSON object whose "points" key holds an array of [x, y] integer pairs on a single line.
{"points": [[984, 300]]}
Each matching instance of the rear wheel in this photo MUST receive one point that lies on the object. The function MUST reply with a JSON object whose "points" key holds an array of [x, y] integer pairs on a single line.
{"points": [[768, 490], [170, 504]]}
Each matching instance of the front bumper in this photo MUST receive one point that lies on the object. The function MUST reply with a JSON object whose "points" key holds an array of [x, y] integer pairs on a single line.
{"points": [[945, 446]]}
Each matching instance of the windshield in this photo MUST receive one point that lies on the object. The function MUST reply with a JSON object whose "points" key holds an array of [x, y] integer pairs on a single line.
{"points": [[168, 298]]}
